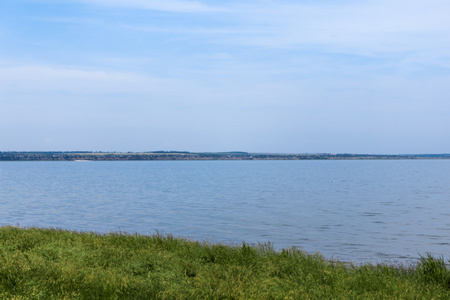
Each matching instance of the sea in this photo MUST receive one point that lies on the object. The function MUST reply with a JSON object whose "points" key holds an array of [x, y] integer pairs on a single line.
{"points": [[360, 211]]}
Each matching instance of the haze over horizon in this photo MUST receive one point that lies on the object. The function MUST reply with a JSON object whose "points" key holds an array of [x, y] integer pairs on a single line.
{"points": [[209, 76]]}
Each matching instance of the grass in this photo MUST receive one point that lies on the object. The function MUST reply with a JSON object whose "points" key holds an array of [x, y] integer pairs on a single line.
{"points": [[59, 264]]}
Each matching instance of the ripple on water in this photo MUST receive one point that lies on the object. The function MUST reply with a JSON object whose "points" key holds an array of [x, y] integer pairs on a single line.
{"points": [[374, 210]]}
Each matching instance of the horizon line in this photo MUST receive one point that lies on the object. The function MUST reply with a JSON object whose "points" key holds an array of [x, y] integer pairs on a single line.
{"points": [[217, 152]]}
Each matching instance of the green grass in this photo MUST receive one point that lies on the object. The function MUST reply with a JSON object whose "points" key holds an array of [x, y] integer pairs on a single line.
{"points": [[59, 264]]}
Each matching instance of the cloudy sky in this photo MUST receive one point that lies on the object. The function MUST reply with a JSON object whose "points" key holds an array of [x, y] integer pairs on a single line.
{"points": [[207, 75]]}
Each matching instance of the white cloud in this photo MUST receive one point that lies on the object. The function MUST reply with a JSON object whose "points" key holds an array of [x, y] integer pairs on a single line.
{"points": [[165, 5], [417, 31], [198, 31], [54, 84], [365, 27], [43, 78], [355, 27]]}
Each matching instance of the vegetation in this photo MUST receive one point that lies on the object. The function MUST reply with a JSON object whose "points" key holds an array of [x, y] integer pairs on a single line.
{"points": [[185, 155], [59, 264]]}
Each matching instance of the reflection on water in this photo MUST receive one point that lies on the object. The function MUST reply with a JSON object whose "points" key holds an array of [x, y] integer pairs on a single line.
{"points": [[352, 210]]}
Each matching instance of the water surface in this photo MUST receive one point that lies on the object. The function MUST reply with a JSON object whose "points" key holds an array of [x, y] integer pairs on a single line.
{"points": [[360, 211]]}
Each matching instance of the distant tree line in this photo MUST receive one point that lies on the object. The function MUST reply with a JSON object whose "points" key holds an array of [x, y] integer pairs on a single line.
{"points": [[185, 155]]}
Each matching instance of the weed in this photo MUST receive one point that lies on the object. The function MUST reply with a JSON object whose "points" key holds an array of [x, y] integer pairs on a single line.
{"points": [[58, 264]]}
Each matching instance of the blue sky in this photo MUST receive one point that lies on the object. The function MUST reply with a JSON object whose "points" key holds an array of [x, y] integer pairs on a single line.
{"points": [[257, 76]]}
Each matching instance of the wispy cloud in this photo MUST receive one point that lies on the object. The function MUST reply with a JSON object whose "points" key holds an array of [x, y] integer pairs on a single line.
{"points": [[202, 31], [362, 27], [45, 78], [416, 30], [166, 5], [310, 67]]}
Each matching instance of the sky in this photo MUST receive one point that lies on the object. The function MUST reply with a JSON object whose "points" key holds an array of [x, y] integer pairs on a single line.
{"points": [[252, 75]]}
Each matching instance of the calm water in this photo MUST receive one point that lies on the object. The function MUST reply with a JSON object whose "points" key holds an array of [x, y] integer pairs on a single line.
{"points": [[361, 211]]}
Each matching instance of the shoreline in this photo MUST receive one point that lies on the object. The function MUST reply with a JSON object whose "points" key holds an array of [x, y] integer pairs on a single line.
{"points": [[39, 263], [162, 155]]}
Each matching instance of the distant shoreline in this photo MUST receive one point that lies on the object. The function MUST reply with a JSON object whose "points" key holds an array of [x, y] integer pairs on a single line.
{"points": [[183, 155]]}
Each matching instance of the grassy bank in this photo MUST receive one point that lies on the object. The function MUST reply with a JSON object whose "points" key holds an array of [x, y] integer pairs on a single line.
{"points": [[59, 264]]}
